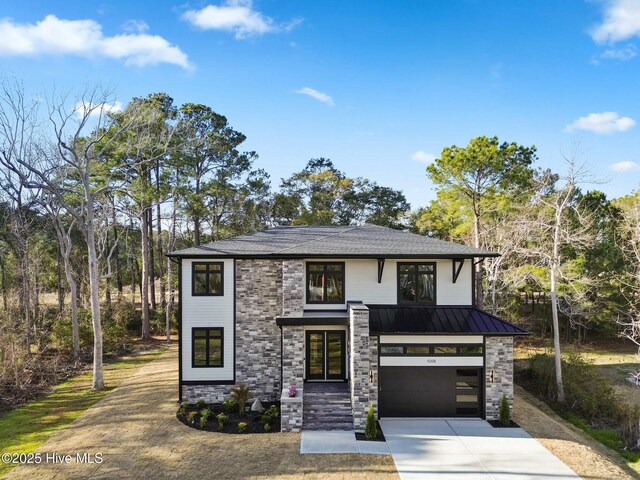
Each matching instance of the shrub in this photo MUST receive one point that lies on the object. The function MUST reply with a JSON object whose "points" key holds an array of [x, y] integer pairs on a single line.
{"points": [[371, 429], [222, 419], [240, 393], [629, 421], [191, 418], [266, 427], [200, 404], [203, 422], [229, 405], [587, 393], [269, 414], [505, 414], [182, 410], [205, 413], [242, 427]]}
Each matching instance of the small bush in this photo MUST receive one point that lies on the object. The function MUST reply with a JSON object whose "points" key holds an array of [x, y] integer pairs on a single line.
{"points": [[200, 404], [203, 422], [222, 419], [229, 405], [240, 393], [182, 410], [242, 427], [267, 427], [270, 414], [191, 417], [371, 429], [205, 413], [587, 393], [505, 414]]}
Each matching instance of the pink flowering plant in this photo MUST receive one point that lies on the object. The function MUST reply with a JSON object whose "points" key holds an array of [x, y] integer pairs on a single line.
{"points": [[292, 390]]}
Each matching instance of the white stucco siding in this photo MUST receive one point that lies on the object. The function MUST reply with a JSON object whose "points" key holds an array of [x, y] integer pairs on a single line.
{"points": [[207, 312], [361, 283]]}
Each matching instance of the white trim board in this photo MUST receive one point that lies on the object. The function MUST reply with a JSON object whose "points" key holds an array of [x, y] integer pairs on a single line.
{"points": [[435, 339], [431, 362]]}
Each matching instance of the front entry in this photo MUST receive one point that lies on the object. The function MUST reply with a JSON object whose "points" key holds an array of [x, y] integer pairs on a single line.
{"points": [[325, 355]]}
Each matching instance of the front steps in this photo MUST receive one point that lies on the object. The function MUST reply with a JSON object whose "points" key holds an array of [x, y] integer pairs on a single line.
{"points": [[327, 406]]}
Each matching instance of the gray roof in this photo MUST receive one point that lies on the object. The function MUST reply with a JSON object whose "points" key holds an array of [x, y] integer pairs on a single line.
{"points": [[366, 241]]}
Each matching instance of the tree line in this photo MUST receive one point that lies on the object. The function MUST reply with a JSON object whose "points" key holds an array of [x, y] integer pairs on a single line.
{"points": [[91, 200]]}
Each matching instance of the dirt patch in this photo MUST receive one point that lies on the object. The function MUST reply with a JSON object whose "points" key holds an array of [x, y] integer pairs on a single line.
{"points": [[584, 455], [136, 429]]}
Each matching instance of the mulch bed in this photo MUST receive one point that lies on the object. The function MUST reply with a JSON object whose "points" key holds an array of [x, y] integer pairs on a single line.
{"points": [[255, 420], [379, 438], [497, 424]]}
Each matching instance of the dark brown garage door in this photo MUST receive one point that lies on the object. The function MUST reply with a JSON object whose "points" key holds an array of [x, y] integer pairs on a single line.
{"points": [[430, 392]]}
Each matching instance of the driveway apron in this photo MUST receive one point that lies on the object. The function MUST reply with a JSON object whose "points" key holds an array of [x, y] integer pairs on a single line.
{"points": [[456, 449]]}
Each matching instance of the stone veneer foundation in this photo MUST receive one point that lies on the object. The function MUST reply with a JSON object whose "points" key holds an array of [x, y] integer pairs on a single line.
{"points": [[499, 360]]}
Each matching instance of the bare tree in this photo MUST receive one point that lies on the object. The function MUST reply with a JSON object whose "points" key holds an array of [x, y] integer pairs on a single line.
{"points": [[557, 220], [68, 166]]}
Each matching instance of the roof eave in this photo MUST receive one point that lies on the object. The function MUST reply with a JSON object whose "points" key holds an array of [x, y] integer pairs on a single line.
{"points": [[335, 255]]}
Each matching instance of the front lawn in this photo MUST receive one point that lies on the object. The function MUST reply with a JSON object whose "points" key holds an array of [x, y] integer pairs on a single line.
{"points": [[26, 428]]}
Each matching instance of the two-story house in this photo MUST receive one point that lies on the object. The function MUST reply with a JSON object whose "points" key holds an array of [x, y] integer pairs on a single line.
{"points": [[383, 316]]}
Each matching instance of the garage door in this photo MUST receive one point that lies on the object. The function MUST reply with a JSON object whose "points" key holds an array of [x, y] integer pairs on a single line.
{"points": [[430, 391]]}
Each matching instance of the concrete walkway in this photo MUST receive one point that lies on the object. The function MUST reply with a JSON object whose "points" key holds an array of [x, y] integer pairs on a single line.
{"points": [[318, 441], [457, 449]]}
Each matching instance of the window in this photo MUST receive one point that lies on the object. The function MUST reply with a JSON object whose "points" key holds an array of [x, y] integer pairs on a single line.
{"points": [[437, 350], [417, 283], [207, 347], [207, 279], [325, 282]]}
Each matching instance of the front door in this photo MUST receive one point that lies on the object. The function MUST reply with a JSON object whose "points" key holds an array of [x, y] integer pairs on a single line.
{"points": [[326, 355]]}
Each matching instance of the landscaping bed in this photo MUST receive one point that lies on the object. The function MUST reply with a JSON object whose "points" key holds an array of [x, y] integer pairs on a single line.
{"points": [[499, 424], [226, 418], [378, 438]]}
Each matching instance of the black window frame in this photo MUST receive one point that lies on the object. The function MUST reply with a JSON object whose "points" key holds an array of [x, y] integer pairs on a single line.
{"points": [[306, 287], [208, 338], [208, 276], [435, 284]]}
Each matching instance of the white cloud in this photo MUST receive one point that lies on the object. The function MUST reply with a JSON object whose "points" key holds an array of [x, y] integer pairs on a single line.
{"points": [[237, 16], [84, 38], [94, 110], [624, 53], [313, 93], [605, 122], [423, 157], [621, 21], [135, 26], [625, 167]]}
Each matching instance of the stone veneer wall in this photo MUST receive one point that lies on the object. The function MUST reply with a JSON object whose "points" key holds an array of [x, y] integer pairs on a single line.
{"points": [[258, 302], [292, 287], [359, 364], [292, 356], [373, 366], [499, 359], [208, 393], [291, 411]]}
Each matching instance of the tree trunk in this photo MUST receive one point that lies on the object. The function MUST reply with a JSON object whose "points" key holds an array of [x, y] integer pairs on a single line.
{"points": [[94, 281], [196, 230], [3, 266], [163, 290], [478, 265], [107, 286], [144, 230], [168, 307], [59, 282], [554, 309], [152, 267], [116, 254]]}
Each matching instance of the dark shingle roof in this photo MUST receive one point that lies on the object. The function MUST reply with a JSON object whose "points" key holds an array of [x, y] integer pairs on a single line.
{"points": [[437, 320], [357, 241]]}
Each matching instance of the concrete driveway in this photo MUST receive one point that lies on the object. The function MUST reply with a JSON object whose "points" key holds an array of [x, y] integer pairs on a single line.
{"points": [[453, 449]]}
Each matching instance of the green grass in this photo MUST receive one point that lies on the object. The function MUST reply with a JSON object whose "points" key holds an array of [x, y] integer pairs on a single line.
{"points": [[26, 428]]}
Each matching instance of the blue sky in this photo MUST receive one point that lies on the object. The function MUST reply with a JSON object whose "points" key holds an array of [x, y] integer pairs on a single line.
{"points": [[378, 87]]}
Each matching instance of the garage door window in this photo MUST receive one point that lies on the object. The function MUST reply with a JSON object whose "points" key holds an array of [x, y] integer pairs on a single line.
{"points": [[431, 350], [467, 391]]}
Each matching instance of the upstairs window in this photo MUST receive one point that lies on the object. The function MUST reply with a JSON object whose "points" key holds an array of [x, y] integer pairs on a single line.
{"points": [[207, 347], [207, 279], [325, 282], [417, 283]]}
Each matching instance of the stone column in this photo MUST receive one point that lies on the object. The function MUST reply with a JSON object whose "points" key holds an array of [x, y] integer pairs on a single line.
{"points": [[499, 361], [292, 374], [292, 287], [373, 367], [359, 363]]}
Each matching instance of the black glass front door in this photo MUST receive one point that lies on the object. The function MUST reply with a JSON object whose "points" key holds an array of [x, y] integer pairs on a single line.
{"points": [[326, 355]]}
